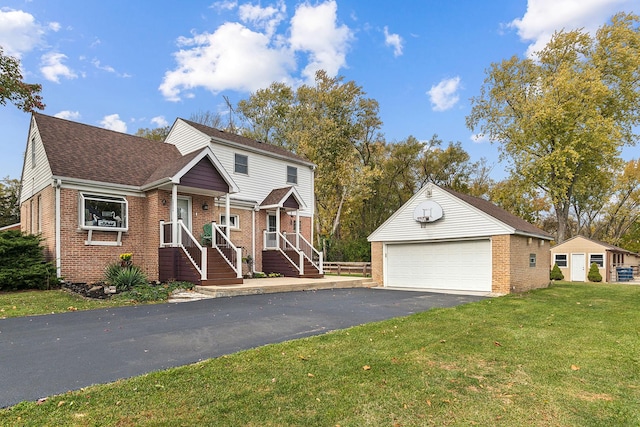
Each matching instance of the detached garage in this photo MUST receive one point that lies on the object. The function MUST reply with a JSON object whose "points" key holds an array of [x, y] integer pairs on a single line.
{"points": [[444, 240]]}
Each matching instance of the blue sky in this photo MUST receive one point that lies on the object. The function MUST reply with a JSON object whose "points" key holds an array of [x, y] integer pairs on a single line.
{"points": [[126, 65]]}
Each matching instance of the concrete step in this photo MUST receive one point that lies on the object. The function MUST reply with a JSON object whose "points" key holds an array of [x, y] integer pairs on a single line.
{"points": [[284, 284]]}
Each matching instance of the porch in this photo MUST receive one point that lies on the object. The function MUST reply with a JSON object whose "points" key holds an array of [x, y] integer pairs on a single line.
{"points": [[213, 259]]}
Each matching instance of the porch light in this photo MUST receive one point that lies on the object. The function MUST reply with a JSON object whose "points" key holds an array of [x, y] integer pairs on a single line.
{"points": [[205, 206]]}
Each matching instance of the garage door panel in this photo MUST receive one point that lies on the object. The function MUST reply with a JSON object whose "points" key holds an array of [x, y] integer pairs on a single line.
{"points": [[464, 265]]}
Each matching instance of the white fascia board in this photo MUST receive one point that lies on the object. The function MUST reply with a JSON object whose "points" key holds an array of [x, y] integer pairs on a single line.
{"points": [[101, 187]]}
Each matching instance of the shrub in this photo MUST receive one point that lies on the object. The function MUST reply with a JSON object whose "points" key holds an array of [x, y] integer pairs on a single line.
{"points": [[556, 274], [151, 292], [124, 278], [594, 274], [22, 263]]}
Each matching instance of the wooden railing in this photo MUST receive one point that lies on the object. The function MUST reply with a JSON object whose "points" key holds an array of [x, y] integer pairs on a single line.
{"points": [[339, 268], [195, 252], [231, 253]]}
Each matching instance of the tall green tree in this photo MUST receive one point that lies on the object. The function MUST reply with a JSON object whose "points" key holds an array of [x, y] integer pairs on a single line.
{"points": [[562, 117], [9, 195], [23, 95], [268, 115]]}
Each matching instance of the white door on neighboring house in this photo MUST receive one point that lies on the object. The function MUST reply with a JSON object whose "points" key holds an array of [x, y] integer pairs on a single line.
{"points": [[578, 268], [184, 211]]}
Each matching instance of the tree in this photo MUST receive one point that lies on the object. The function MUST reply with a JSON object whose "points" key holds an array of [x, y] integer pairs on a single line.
{"points": [[9, 194], [562, 119], [157, 134], [268, 115], [23, 95], [556, 274], [207, 118]]}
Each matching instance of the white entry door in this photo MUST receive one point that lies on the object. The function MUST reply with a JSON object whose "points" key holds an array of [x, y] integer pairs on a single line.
{"points": [[578, 268], [184, 211]]}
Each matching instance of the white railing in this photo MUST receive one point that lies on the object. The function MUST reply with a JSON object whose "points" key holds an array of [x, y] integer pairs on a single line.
{"points": [[297, 243], [229, 251], [196, 253], [314, 256]]}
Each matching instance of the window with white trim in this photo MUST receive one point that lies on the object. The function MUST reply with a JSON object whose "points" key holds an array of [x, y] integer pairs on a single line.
{"points": [[235, 221], [292, 175], [598, 259], [241, 164], [560, 259], [99, 212], [33, 152], [532, 260]]}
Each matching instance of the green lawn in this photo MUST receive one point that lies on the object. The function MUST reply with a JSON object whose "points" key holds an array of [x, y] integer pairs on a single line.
{"points": [[564, 356], [28, 303]]}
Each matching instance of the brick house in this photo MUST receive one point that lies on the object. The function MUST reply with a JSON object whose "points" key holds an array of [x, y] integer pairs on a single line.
{"points": [[445, 240], [195, 207]]}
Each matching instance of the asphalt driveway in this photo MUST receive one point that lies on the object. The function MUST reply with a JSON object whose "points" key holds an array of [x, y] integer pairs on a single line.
{"points": [[51, 354]]}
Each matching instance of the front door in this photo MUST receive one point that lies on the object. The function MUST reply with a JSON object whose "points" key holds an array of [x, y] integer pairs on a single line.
{"points": [[184, 211], [272, 228], [578, 268]]}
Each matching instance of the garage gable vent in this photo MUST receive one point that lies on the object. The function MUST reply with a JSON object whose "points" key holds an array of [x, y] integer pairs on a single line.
{"points": [[427, 212]]}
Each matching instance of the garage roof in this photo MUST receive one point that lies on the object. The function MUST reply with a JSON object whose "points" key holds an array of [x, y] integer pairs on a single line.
{"points": [[463, 217]]}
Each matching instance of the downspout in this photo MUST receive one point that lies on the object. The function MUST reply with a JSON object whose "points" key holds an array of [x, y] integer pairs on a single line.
{"points": [[313, 203], [56, 184], [253, 239], [227, 213]]}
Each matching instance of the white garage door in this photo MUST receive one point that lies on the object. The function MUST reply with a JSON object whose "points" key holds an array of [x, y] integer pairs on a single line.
{"points": [[464, 265]]}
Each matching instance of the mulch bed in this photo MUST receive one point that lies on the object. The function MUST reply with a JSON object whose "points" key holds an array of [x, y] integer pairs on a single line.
{"points": [[88, 290]]}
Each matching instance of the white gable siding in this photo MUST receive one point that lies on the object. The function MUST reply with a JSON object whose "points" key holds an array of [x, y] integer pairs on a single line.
{"points": [[460, 220], [265, 172], [34, 179], [185, 138]]}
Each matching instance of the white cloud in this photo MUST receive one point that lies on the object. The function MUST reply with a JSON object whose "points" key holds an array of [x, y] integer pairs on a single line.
{"points": [[68, 115], [479, 138], [224, 5], [444, 95], [99, 66], [113, 122], [248, 55], [314, 30], [19, 32], [54, 26], [544, 17], [160, 121], [264, 18], [52, 67], [233, 57], [393, 40]]}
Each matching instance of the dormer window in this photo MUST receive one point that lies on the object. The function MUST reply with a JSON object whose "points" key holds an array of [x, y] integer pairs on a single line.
{"points": [[241, 164]]}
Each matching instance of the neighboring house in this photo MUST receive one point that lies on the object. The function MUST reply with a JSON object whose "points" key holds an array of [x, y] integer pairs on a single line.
{"points": [[10, 227], [94, 193], [442, 239], [575, 256]]}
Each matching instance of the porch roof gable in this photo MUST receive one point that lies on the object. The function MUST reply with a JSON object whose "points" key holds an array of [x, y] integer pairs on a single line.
{"points": [[283, 198]]}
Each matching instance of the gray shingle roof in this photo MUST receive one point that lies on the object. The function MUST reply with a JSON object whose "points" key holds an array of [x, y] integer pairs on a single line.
{"points": [[81, 151], [519, 224]]}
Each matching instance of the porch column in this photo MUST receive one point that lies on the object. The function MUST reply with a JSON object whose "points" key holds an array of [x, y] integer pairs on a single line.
{"points": [[227, 213], [297, 229], [174, 214]]}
